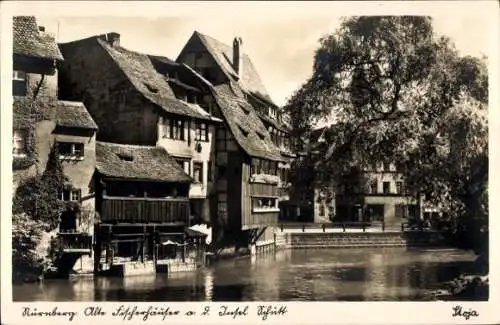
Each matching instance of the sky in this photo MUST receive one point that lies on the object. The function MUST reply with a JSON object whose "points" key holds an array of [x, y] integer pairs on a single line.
{"points": [[280, 38]]}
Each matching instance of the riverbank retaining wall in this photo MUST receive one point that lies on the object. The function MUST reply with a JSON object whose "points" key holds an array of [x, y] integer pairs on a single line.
{"points": [[346, 240]]}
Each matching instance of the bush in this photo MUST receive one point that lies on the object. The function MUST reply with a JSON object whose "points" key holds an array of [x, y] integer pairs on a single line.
{"points": [[28, 262]]}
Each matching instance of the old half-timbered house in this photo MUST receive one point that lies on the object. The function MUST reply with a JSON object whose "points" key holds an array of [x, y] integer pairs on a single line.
{"points": [[247, 159], [42, 121], [142, 200], [136, 104]]}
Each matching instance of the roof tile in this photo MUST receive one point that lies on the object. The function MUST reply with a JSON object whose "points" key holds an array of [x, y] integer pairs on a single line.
{"points": [[27, 39], [138, 162], [249, 80], [151, 84], [74, 114], [245, 124]]}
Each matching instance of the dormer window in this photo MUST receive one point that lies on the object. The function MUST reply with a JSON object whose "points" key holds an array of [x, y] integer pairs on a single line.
{"points": [[245, 109], [19, 84], [261, 136], [151, 88], [125, 156], [245, 132]]}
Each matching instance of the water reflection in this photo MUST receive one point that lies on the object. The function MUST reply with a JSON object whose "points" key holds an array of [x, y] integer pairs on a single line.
{"points": [[302, 275]]}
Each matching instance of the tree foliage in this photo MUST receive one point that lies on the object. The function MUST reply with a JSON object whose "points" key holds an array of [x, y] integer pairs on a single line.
{"points": [[38, 196], [398, 93], [27, 262]]}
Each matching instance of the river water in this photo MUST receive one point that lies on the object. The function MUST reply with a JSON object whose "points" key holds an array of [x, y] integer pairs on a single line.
{"points": [[391, 274]]}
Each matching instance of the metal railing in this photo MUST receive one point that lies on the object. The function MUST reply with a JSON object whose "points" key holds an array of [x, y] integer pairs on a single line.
{"points": [[364, 225], [415, 226]]}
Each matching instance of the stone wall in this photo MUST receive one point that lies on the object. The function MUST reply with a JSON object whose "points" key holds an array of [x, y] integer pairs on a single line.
{"points": [[122, 114], [346, 240]]}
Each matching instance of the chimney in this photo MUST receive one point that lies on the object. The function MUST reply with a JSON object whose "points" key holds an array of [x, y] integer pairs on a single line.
{"points": [[113, 39], [41, 28], [237, 55]]}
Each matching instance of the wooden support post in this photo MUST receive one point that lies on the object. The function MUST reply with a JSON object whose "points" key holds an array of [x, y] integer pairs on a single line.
{"points": [[364, 227], [343, 227], [281, 226], [383, 226], [184, 247], [323, 226], [143, 243], [303, 228], [402, 226]]}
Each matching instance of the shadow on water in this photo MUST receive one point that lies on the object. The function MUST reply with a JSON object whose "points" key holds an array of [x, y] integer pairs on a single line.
{"points": [[300, 275]]}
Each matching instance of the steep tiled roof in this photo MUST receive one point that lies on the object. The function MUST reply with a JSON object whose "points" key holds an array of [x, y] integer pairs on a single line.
{"points": [[64, 113], [245, 124], [149, 82], [27, 39], [249, 80], [74, 114], [138, 162]]}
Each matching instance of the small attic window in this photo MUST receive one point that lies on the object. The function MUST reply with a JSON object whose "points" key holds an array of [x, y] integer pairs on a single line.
{"points": [[261, 135], [245, 132], [151, 88], [245, 109], [125, 156]]}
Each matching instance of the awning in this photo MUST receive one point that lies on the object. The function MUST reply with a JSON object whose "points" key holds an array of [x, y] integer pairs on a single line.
{"points": [[194, 233], [169, 242]]}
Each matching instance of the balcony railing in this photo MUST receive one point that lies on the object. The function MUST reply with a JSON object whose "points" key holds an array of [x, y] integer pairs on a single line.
{"points": [[154, 210], [74, 241]]}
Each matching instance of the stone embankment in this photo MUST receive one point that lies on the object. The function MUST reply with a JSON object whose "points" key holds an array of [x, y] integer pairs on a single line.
{"points": [[295, 240]]}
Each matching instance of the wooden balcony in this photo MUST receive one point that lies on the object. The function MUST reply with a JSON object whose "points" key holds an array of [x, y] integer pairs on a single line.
{"points": [[74, 242], [145, 210]]}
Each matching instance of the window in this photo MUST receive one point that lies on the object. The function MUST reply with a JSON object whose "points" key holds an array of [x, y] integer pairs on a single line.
{"points": [[202, 131], [209, 171], [374, 187], [173, 129], [70, 195], [286, 142], [400, 210], [191, 98], [70, 150], [387, 187], [272, 112], [399, 187], [19, 84], [19, 143], [321, 210], [284, 175], [221, 171], [184, 163], [386, 166], [19, 75], [221, 139], [255, 167], [374, 212], [198, 172], [264, 204]]}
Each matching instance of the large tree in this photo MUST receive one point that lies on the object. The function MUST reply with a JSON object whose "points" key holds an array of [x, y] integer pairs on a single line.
{"points": [[398, 93]]}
